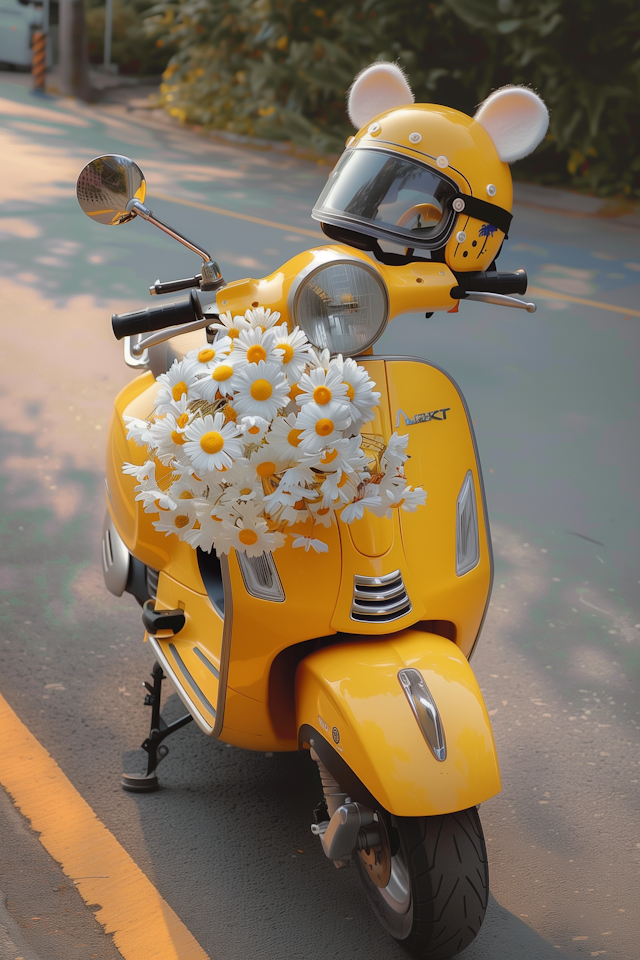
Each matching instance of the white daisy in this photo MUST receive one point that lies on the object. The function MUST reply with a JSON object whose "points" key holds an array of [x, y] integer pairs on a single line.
{"points": [[174, 386], [320, 358], [212, 444], [241, 483], [138, 430], [145, 473], [321, 426], [265, 465], [294, 350], [255, 345], [284, 438], [355, 510], [346, 455], [295, 477], [394, 453], [201, 361], [307, 543], [360, 390], [253, 537], [323, 515], [339, 488], [262, 390], [261, 317], [221, 379], [177, 521], [253, 429], [322, 387], [230, 327], [167, 436]]}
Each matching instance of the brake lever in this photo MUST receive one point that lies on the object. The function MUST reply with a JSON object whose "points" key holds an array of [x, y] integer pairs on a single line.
{"points": [[500, 300]]}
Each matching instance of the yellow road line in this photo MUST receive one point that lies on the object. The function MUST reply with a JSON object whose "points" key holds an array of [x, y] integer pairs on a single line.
{"points": [[143, 925], [552, 295], [316, 234]]}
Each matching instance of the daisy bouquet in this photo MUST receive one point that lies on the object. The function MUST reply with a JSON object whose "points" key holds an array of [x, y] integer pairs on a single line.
{"points": [[256, 437]]}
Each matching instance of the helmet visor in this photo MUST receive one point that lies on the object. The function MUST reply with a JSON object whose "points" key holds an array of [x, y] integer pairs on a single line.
{"points": [[389, 196]]}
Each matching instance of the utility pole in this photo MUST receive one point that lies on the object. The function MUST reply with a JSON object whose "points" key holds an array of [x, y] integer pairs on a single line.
{"points": [[74, 67], [108, 31]]}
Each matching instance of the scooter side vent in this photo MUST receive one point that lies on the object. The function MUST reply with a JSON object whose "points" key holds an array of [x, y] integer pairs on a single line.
{"points": [[380, 599], [260, 577]]}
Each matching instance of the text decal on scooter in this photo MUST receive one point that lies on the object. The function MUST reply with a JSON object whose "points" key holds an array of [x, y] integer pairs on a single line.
{"points": [[440, 414]]}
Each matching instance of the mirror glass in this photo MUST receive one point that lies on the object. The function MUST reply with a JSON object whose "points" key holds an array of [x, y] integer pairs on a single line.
{"points": [[105, 187]]}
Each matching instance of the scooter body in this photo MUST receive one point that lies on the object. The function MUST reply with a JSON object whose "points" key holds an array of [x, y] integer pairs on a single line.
{"points": [[358, 653], [405, 591]]}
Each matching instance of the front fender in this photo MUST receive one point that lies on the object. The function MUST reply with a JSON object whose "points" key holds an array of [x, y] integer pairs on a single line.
{"points": [[350, 696]]}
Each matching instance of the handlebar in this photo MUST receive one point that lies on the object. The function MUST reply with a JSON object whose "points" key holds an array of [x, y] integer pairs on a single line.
{"points": [[172, 286], [490, 281], [156, 318]]}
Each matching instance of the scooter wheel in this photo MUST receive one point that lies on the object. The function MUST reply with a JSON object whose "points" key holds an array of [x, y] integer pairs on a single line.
{"points": [[436, 896]]}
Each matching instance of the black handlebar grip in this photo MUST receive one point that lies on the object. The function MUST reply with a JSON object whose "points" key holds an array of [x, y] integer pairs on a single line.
{"points": [[491, 281], [173, 286], [156, 318]]}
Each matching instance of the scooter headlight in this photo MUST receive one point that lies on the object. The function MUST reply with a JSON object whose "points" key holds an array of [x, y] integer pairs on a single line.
{"points": [[341, 305]]}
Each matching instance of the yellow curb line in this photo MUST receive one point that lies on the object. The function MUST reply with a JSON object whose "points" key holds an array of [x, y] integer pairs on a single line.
{"points": [[552, 295], [143, 925], [534, 291], [242, 216]]}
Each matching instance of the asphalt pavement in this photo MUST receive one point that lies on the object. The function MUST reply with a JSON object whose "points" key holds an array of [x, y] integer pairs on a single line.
{"points": [[554, 398]]}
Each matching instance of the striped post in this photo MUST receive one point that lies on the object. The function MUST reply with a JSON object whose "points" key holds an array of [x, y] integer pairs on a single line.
{"points": [[38, 63]]}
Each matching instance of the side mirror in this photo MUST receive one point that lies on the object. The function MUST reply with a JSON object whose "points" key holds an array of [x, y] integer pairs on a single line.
{"points": [[107, 185]]}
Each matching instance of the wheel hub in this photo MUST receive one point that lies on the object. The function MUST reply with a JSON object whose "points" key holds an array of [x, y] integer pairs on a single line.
{"points": [[375, 853]]}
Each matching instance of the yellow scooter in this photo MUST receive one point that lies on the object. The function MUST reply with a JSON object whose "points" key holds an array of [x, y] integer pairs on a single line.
{"points": [[358, 654]]}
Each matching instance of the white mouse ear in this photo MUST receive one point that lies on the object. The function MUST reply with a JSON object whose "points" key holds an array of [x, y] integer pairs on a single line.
{"points": [[379, 87], [516, 119]]}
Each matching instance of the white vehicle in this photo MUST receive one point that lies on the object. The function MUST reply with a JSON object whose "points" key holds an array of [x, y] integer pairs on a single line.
{"points": [[18, 20]]}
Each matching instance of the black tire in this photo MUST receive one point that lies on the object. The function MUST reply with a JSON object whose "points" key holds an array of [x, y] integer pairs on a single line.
{"points": [[436, 898]]}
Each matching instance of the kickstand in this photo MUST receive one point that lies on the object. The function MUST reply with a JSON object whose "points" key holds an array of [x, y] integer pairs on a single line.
{"points": [[146, 782]]}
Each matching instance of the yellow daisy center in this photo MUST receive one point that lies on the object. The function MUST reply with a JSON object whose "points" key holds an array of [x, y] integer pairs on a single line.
{"points": [[287, 352], [323, 511], [295, 391], [253, 430], [299, 505], [350, 391], [322, 395], [266, 469], [343, 480], [261, 389], [233, 332], [256, 353], [248, 537], [179, 389], [324, 427], [181, 521], [183, 420], [293, 437], [229, 413], [178, 438], [186, 495], [245, 491], [329, 456], [212, 442], [222, 372], [206, 355]]}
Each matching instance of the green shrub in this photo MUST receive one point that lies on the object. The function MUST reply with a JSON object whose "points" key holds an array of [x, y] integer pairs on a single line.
{"points": [[280, 69], [132, 49]]}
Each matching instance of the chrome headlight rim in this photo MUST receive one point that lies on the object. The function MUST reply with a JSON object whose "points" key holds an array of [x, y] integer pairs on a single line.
{"points": [[329, 258]]}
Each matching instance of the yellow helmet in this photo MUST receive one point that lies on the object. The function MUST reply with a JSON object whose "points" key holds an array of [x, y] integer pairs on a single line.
{"points": [[425, 176]]}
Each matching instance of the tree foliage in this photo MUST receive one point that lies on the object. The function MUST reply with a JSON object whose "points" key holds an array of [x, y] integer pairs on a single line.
{"points": [[280, 69]]}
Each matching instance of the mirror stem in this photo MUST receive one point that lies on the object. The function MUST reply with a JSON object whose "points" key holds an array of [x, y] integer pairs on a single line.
{"points": [[211, 276]]}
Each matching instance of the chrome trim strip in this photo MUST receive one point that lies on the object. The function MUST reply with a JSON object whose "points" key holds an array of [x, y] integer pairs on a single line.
{"points": [[375, 610], [187, 675], [376, 581], [182, 693], [424, 710], [214, 670], [483, 496], [225, 652], [389, 594], [466, 510]]}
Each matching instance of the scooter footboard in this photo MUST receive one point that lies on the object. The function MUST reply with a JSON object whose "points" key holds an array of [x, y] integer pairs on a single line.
{"points": [[352, 703]]}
